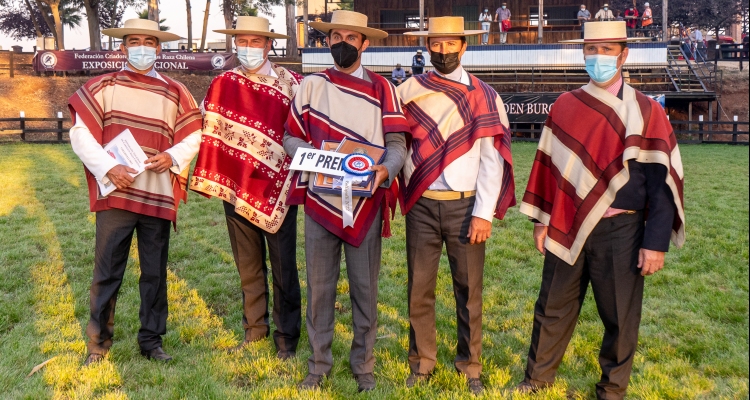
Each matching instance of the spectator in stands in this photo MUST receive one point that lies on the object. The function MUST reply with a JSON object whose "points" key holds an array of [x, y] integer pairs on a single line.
{"points": [[502, 16], [398, 75], [647, 19], [631, 20], [605, 14], [273, 45], [618, 16], [583, 16], [417, 63], [486, 19], [700, 45]]}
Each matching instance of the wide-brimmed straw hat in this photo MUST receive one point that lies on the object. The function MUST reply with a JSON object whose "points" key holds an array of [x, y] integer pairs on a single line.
{"points": [[605, 32], [137, 26], [247, 25], [352, 21], [446, 26]]}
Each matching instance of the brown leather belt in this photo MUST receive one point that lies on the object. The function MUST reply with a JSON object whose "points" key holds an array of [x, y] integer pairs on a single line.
{"points": [[447, 194]]}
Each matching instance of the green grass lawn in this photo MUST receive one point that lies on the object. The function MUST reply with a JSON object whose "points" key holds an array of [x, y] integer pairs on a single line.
{"points": [[693, 338]]}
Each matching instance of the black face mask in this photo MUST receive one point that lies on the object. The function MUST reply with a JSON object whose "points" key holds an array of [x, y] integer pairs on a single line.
{"points": [[444, 63], [344, 54]]}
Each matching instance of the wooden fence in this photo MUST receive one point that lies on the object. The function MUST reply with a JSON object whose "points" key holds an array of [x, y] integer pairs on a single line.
{"points": [[727, 132]]}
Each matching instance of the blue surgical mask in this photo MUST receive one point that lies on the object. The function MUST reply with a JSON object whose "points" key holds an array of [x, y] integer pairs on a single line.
{"points": [[251, 57], [601, 68], [504, 7], [142, 57]]}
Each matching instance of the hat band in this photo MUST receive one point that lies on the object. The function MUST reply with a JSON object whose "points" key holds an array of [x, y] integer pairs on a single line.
{"points": [[620, 39]]}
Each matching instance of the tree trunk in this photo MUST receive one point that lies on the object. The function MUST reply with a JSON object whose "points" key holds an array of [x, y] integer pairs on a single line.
{"points": [[153, 10], [189, 25], [54, 6], [205, 25], [50, 23], [92, 14], [291, 30], [228, 20], [37, 28]]}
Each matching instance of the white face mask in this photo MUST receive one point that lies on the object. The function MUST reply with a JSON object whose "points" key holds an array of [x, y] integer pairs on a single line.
{"points": [[251, 57], [142, 57]]}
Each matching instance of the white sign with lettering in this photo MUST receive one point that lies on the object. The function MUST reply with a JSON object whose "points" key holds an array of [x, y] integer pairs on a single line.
{"points": [[313, 160]]}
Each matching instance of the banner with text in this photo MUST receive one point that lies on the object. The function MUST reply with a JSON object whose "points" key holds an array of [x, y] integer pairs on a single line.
{"points": [[72, 60], [528, 107]]}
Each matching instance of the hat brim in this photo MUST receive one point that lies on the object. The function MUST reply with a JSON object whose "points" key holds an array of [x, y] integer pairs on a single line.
{"points": [[119, 33], [584, 41], [272, 35], [371, 33], [437, 34]]}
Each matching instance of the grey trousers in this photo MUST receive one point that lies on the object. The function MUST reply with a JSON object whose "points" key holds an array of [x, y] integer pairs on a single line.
{"points": [[249, 249], [114, 233], [323, 254], [429, 224], [609, 261]]}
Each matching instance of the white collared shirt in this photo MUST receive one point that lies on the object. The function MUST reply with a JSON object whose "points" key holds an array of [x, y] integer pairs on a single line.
{"points": [[97, 160], [359, 73]]}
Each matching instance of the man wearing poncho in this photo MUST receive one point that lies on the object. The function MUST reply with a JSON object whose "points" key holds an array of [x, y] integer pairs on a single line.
{"points": [[346, 101], [163, 118], [606, 196], [458, 176], [242, 161]]}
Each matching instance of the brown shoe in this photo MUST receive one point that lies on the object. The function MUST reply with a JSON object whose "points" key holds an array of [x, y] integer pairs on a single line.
{"points": [[239, 347], [527, 388], [157, 354], [93, 358], [415, 378], [311, 382]]}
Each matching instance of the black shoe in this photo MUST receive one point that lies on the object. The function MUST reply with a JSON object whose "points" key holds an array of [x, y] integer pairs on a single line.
{"points": [[365, 382], [415, 378], [93, 358], [475, 386], [311, 382], [156, 354], [286, 355]]}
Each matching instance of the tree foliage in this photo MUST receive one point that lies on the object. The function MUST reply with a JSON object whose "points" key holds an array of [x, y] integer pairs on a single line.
{"points": [[16, 18]]}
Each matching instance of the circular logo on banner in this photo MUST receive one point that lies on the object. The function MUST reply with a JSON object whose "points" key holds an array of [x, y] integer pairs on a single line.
{"points": [[217, 61], [49, 60], [358, 164]]}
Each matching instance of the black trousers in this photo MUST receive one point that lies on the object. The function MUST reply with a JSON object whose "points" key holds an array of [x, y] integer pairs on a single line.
{"points": [[429, 224], [249, 248], [609, 261], [114, 233]]}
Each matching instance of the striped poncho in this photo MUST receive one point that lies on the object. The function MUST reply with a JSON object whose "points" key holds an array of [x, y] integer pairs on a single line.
{"points": [[331, 105], [159, 114], [446, 119], [580, 163]]}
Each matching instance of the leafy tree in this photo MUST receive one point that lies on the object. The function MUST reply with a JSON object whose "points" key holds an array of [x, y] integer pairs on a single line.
{"points": [[143, 14]]}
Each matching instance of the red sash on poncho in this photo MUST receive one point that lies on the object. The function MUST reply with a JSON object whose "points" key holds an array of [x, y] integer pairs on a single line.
{"points": [[433, 151], [331, 105], [159, 115], [580, 163], [242, 159]]}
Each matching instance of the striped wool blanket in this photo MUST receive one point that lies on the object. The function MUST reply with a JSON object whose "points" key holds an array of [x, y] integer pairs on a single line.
{"points": [[242, 159], [580, 163], [331, 105], [158, 114]]}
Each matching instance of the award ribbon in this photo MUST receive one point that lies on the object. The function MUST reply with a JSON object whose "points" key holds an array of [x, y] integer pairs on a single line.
{"points": [[357, 168]]}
